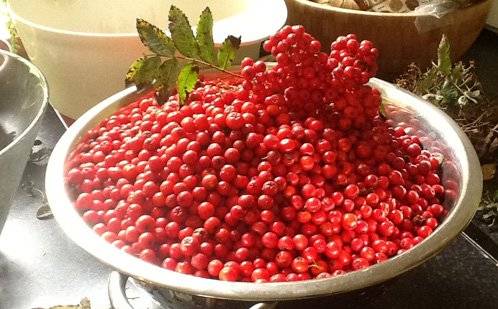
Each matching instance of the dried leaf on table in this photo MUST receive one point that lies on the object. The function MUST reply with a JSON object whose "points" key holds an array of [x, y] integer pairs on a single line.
{"points": [[39, 156], [44, 213], [488, 171], [84, 304]]}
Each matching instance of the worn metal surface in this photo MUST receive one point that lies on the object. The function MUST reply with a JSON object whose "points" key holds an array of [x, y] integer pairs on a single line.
{"points": [[459, 152], [39, 265], [23, 99]]}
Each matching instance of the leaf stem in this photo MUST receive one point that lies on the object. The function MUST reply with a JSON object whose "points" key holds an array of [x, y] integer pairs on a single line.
{"points": [[209, 65], [199, 61]]}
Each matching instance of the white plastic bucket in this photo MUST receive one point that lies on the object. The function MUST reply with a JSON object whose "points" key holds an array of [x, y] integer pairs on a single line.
{"points": [[84, 47]]}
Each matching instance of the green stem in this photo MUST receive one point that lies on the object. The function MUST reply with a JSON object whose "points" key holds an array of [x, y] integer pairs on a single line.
{"points": [[209, 65], [199, 61]]}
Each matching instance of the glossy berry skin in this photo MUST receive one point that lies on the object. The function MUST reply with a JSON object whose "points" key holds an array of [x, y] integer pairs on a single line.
{"points": [[285, 173]]}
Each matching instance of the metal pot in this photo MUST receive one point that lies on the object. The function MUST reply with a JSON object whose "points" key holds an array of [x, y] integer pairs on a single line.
{"points": [[24, 97], [461, 169]]}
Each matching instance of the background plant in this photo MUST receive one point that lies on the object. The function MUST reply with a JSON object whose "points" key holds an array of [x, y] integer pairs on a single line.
{"points": [[455, 88]]}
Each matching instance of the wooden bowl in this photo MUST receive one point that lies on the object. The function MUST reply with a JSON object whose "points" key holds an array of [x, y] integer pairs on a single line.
{"points": [[402, 38]]}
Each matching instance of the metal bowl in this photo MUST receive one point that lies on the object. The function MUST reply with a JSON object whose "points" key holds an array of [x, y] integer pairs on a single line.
{"points": [[461, 171], [24, 97]]}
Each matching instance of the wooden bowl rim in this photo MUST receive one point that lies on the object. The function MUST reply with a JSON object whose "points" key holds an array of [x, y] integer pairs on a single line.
{"points": [[380, 14]]}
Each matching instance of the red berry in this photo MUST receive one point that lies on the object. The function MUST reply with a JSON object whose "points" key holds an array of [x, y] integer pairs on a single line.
{"points": [[300, 265], [229, 273], [288, 173]]}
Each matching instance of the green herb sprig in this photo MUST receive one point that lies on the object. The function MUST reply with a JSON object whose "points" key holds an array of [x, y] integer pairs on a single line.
{"points": [[447, 85], [176, 59], [455, 88], [488, 208]]}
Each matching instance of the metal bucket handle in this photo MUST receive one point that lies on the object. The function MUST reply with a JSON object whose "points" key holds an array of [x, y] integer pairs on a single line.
{"points": [[5, 45], [117, 293]]}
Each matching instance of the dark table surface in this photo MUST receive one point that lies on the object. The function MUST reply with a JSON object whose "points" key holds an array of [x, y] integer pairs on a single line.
{"points": [[40, 267]]}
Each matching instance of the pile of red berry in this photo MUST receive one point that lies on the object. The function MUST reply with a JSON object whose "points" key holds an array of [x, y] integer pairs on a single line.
{"points": [[289, 174]]}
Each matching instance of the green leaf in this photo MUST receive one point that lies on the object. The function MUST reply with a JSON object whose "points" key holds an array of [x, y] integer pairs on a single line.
{"points": [[181, 33], [154, 38], [449, 92], [133, 70], [204, 36], [443, 56], [168, 74], [226, 54], [458, 71], [143, 70], [423, 85], [186, 80]]}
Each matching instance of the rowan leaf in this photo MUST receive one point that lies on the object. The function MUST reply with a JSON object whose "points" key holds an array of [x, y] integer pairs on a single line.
{"points": [[227, 52], [204, 37], [155, 39], [167, 76], [166, 66], [181, 33], [143, 70], [187, 79]]}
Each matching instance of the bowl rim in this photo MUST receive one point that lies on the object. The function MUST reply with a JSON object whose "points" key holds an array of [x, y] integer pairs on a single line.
{"points": [[230, 21], [457, 219], [43, 82], [413, 14]]}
